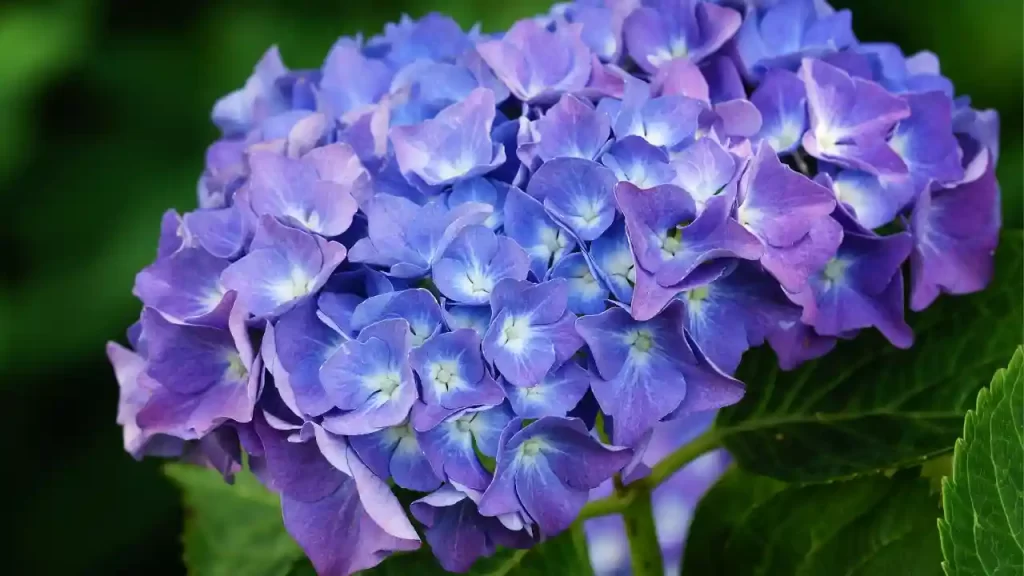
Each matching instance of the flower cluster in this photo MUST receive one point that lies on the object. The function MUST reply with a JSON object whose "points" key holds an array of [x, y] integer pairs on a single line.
{"points": [[440, 260]]}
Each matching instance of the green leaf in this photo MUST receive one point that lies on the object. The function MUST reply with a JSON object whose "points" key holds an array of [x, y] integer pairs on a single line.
{"points": [[868, 406], [870, 526], [232, 528], [982, 529]]}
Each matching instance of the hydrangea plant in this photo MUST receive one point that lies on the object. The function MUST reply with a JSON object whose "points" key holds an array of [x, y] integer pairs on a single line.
{"points": [[456, 292]]}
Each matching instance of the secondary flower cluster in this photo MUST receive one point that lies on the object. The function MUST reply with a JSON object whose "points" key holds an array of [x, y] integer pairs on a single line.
{"points": [[433, 262]]}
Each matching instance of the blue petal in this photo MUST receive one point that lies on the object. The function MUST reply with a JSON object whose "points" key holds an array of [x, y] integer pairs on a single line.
{"points": [[587, 294], [529, 225], [577, 193]]}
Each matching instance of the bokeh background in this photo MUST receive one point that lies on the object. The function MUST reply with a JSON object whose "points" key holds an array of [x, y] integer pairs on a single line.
{"points": [[103, 124]]}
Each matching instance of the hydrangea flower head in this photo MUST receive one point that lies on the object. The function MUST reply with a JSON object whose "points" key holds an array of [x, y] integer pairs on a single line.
{"points": [[432, 261]]}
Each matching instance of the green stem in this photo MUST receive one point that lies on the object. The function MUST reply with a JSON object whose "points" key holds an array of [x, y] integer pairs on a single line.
{"points": [[689, 452], [644, 550], [801, 163]]}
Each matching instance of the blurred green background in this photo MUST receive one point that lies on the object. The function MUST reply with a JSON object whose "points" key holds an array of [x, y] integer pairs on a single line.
{"points": [[103, 124]]}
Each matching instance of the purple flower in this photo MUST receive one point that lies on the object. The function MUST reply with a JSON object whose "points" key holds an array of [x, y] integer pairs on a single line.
{"points": [[703, 169], [476, 318], [395, 453], [435, 37], [788, 30], [531, 330], [736, 312], [956, 231], [481, 191], [451, 445], [861, 286], [370, 380], [416, 306], [850, 120], [782, 100], [546, 470], [301, 342], [135, 391], [223, 232], [531, 227], [571, 128], [671, 241], [284, 266], [662, 30], [409, 239], [613, 262], [602, 24], [475, 262], [185, 286], [538, 64], [452, 374], [197, 377], [576, 193], [639, 162], [789, 214], [873, 200], [587, 294], [314, 193], [454, 145], [918, 73], [663, 121], [225, 171], [650, 370], [351, 83], [925, 141], [325, 491], [456, 531], [238, 112], [556, 395]]}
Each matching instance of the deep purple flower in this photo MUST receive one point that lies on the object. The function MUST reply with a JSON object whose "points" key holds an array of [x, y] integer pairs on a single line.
{"points": [[650, 370], [955, 234], [457, 249], [851, 119], [546, 470], [789, 214], [196, 377], [395, 453], [457, 532], [326, 490], [671, 242], [185, 286], [861, 286]]}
